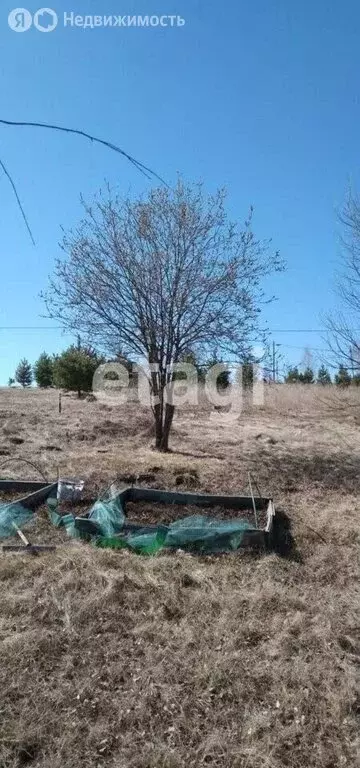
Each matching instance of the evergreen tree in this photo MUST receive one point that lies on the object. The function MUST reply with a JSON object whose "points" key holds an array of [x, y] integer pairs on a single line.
{"points": [[23, 373], [44, 370], [343, 378], [307, 377], [11, 382], [190, 358], [247, 372], [223, 380], [111, 376], [292, 376], [74, 369], [323, 376]]}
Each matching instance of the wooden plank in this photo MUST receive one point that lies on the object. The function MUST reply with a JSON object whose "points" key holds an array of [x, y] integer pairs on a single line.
{"points": [[270, 517], [22, 486], [21, 535], [87, 526], [194, 499], [31, 549], [254, 538], [34, 500]]}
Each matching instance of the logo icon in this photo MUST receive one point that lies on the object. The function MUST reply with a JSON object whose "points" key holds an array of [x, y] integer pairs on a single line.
{"points": [[20, 20], [45, 20]]}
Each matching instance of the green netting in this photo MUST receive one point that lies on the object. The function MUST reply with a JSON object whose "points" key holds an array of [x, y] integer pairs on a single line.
{"points": [[204, 534], [62, 521], [108, 515], [12, 515], [142, 543], [106, 524], [194, 534], [18, 513]]}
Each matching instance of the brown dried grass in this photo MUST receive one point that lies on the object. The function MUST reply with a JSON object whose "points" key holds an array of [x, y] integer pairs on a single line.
{"points": [[110, 659]]}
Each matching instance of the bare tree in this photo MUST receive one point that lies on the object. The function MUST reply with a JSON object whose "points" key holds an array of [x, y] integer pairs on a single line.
{"points": [[159, 276], [344, 324]]}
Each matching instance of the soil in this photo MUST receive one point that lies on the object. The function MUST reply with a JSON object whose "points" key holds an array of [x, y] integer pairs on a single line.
{"points": [[139, 512], [154, 513], [40, 530]]}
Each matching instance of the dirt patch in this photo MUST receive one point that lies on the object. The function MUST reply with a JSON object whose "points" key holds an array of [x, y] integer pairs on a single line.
{"points": [[154, 513], [39, 530]]}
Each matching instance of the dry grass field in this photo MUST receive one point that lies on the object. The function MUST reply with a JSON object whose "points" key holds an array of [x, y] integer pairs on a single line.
{"points": [[242, 661]]}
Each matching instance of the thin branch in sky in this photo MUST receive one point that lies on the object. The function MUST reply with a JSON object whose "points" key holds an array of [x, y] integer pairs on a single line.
{"points": [[140, 166], [18, 200]]}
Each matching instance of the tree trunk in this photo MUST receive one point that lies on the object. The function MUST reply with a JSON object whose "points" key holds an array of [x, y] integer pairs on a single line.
{"points": [[158, 426], [168, 419], [163, 421], [163, 412]]}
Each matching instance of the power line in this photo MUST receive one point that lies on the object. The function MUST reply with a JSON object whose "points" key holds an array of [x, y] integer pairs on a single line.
{"points": [[31, 327], [300, 330], [305, 330], [313, 349]]}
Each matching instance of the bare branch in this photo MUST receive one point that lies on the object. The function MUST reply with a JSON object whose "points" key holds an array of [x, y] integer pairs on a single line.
{"points": [[343, 338], [18, 200], [140, 166]]}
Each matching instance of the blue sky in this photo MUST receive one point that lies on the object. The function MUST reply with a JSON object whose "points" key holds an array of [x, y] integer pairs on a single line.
{"points": [[262, 97]]}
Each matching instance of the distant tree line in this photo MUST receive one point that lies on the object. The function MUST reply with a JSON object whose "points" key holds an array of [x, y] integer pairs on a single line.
{"points": [[72, 370], [342, 378]]}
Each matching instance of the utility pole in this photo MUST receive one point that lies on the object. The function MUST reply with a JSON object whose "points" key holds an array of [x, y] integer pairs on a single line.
{"points": [[273, 361], [275, 364], [351, 354]]}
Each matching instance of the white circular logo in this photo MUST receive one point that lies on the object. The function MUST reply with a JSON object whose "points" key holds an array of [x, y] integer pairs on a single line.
{"points": [[20, 20], [45, 20]]}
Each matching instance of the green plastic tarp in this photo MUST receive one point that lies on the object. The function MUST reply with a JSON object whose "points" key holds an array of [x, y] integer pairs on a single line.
{"points": [[107, 526]]}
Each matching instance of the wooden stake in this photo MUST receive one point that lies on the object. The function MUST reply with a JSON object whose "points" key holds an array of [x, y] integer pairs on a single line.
{"points": [[21, 534], [253, 501]]}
